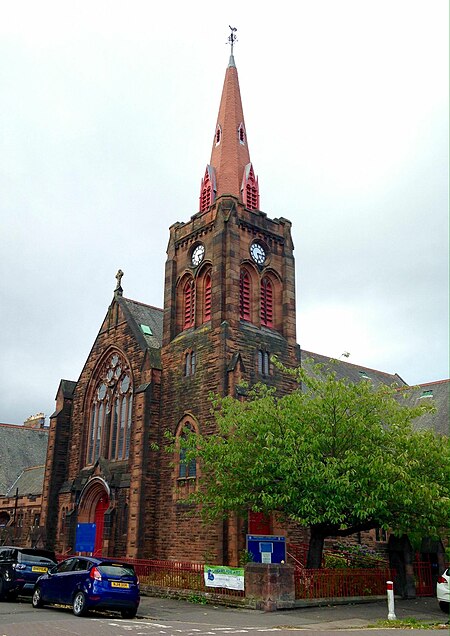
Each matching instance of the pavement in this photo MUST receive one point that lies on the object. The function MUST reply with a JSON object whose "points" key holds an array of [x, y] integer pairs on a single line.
{"points": [[357, 615]]}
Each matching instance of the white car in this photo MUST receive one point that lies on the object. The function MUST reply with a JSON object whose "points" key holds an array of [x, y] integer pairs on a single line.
{"points": [[442, 591]]}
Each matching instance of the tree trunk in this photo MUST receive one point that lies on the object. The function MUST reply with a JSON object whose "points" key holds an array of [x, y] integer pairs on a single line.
{"points": [[315, 550]]}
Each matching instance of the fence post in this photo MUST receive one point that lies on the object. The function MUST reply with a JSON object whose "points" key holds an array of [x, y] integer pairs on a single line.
{"points": [[390, 599]]}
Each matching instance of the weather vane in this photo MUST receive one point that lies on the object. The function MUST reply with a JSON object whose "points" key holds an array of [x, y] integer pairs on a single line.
{"points": [[232, 38]]}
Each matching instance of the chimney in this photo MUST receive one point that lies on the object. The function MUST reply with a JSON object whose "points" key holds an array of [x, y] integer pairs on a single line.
{"points": [[35, 421]]}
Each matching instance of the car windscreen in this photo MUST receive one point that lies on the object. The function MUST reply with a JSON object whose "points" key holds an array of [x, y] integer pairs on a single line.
{"points": [[32, 557], [116, 570]]}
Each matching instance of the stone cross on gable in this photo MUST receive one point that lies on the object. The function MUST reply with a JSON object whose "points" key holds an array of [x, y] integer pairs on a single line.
{"points": [[118, 290]]}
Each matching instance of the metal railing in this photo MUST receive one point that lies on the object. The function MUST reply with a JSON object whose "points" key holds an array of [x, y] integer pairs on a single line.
{"points": [[425, 586], [340, 583]]}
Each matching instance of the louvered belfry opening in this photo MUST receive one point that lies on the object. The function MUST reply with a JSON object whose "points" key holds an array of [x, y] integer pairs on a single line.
{"points": [[207, 298], [250, 189], [205, 201], [252, 197], [189, 304], [244, 295], [266, 302], [206, 192]]}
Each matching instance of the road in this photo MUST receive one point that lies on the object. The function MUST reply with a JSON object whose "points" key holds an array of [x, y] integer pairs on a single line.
{"points": [[21, 619]]}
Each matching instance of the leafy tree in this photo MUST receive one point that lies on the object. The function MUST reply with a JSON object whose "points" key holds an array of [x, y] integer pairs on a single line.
{"points": [[336, 456]]}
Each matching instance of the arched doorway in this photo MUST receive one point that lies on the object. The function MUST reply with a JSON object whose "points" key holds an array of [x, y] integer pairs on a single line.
{"points": [[94, 502]]}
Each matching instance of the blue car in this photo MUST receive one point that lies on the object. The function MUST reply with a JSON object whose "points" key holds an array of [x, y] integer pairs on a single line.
{"points": [[90, 583], [20, 568]]}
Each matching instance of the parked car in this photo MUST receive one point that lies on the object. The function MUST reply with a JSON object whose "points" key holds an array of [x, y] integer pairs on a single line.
{"points": [[90, 583], [442, 591], [20, 568]]}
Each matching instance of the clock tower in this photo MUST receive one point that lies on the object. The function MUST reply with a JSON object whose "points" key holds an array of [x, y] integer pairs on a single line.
{"points": [[229, 305]]}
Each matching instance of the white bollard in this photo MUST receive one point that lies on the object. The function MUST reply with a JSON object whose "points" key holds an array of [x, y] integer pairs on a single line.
{"points": [[390, 598]]}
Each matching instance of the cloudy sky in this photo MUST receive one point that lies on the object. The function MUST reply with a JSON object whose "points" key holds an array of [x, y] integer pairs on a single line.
{"points": [[107, 114]]}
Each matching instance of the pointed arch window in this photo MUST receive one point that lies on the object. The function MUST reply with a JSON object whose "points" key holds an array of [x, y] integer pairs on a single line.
{"points": [[244, 295], [188, 304], [63, 520], [263, 362], [111, 412], [207, 298], [266, 302], [190, 363], [187, 468]]}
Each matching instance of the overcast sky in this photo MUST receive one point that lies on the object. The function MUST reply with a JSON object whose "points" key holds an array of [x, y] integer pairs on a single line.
{"points": [[107, 115]]}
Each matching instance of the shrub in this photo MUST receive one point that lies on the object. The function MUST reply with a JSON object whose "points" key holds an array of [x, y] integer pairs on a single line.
{"points": [[359, 556]]}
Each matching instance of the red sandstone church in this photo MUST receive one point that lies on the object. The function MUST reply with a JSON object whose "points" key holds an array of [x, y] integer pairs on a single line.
{"points": [[229, 303]]}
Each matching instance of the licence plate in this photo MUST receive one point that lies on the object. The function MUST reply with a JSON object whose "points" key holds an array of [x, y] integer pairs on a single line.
{"points": [[123, 585], [36, 568]]}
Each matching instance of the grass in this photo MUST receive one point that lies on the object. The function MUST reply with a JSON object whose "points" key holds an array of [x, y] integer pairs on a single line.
{"points": [[410, 623]]}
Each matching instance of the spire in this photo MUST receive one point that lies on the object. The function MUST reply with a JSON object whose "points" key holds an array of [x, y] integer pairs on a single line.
{"points": [[230, 156]]}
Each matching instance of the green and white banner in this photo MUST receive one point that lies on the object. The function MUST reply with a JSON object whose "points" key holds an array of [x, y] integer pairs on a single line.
{"points": [[223, 576]]}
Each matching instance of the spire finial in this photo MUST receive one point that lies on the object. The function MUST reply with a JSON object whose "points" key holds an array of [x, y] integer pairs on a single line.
{"points": [[232, 39], [118, 290]]}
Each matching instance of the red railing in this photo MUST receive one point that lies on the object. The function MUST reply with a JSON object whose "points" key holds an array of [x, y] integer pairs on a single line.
{"points": [[339, 583], [177, 575], [424, 578], [169, 574], [297, 553]]}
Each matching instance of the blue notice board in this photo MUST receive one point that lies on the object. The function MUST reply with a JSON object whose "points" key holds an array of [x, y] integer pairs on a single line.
{"points": [[266, 548], [85, 538]]}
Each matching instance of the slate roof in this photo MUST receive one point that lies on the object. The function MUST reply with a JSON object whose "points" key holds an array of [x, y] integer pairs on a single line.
{"points": [[20, 448], [438, 394], [437, 391], [29, 482], [355, 372], [138, 314], [67, 387]]}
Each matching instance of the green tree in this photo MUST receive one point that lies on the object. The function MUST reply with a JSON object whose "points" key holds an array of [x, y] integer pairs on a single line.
{"points": [[336, 456]]}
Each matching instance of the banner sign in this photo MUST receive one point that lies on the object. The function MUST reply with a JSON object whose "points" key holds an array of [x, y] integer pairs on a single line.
{"points": [[223, 576]]}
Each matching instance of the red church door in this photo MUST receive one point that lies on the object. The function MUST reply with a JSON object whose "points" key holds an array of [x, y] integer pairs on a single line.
{"points": [[101, 508], [259, 523]]}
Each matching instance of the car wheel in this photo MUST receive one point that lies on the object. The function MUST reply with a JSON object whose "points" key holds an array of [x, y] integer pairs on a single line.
{"points": [[36, 599], [444, 606], [129, 613], [12, 596], [79, 604]]}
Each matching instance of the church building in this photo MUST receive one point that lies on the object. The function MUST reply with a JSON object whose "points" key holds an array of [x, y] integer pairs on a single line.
{"points": [[229, 304]]}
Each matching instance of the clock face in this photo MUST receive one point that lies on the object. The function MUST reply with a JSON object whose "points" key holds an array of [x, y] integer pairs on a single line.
{"points": [[198, 254], [258, 253]]}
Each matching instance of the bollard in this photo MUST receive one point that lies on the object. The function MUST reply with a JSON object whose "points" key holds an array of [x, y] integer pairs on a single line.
{"points": [[390, 599]]}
